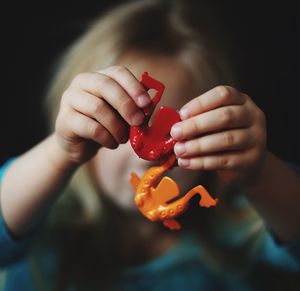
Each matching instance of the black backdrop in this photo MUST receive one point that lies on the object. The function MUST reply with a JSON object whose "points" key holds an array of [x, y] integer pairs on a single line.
{"points": [[265, 33]]}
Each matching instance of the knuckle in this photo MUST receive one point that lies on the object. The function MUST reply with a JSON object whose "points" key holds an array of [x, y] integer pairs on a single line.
{"points": [[98, 107], [105, 137], [108, 141], [131, 83], [202, 164], [245, 98], [127, 108], [223, 91], [194, 125], [225, 163], [100, 80], [228, 116], [117, 129], [197, 146], [199, 101], [207, 163], [226, 93], [228, 139], [102, 136], [93, 130], [121, 134], [135, 88]]}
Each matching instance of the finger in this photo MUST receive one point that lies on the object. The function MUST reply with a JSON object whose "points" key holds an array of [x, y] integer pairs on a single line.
{"points": [[212, 99], [227, 161], [130, 84], [227, 117], [105, 87], [99, 110], [238, 139], [88, 128]]}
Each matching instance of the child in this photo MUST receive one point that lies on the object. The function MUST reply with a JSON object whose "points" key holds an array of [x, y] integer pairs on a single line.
{"points": [[68, 217]]}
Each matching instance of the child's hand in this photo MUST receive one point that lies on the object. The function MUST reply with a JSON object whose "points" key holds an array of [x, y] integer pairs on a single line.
{"points": [[221, 130], [97, 109]]}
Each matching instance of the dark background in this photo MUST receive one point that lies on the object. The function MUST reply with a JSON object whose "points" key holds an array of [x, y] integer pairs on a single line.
{"points": [[266, 35]]}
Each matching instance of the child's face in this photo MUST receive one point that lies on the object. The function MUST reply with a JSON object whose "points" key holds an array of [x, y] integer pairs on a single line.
{"points": [[112, 168]]}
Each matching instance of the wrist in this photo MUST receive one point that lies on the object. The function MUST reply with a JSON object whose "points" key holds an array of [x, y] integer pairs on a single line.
{"points": [[58, 158]]}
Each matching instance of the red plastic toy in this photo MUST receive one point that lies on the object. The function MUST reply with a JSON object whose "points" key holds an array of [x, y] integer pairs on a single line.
{"points": [[155, 143]]}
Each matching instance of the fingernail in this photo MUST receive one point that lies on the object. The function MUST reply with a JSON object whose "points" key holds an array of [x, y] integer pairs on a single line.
{"points": [[184, 113], [179, 149], [176, 132], [143, 100], [137, 118], [183, 162]]}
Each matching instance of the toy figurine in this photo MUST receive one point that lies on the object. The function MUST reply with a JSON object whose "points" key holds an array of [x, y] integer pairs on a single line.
{"points": [[154, 143]]}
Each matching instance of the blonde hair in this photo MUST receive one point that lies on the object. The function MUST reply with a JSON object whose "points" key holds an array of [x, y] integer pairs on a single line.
{"points": [[151, 26]]}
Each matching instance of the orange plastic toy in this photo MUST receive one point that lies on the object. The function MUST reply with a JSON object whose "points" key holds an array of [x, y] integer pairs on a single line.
{"points": [[153, 201], [155, 144]]}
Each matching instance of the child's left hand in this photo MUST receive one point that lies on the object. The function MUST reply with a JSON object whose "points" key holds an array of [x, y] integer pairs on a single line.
{"points": [[221, 130]]}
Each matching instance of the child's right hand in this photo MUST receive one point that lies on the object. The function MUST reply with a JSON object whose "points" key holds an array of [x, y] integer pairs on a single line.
{"points": [[96, 111]]}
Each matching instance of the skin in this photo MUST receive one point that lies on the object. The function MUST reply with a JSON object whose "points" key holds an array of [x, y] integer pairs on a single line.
{"points": [[114, 179], [222, 130]]}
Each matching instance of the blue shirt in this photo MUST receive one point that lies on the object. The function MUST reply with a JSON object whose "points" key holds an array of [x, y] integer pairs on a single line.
{"points": [[181, 268]]}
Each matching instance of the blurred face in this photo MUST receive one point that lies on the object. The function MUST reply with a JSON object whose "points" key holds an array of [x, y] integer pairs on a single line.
{"points": [[112, 168]]}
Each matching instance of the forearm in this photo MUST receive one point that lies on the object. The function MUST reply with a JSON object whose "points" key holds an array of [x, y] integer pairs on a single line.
{"points": [[32, 184], [276, 196]]}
